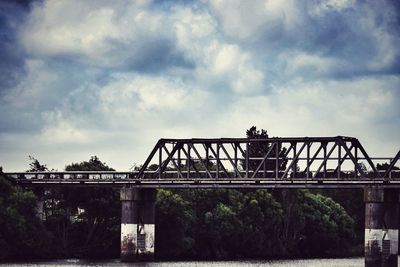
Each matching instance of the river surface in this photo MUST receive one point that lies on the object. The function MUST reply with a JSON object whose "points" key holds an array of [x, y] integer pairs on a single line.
{"points": [[274, 263]]}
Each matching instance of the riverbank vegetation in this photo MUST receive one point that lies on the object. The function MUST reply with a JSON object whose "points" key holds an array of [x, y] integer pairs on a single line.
{"points": [[190, 224]]}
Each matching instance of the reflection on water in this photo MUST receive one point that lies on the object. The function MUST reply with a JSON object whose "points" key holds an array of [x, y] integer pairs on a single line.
{"points": [[275, 263]]}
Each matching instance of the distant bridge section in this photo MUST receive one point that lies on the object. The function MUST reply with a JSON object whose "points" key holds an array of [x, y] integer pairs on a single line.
{"points": [[299, 162]]}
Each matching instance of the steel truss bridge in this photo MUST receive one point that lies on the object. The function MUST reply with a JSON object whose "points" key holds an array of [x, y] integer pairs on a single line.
{"points": [[300, 162]]}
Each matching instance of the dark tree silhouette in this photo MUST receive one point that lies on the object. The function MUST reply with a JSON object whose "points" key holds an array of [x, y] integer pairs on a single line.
{"points": [[259, 150]]}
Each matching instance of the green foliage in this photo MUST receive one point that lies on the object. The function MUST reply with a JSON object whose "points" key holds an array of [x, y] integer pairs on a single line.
{"points": [[22, 234], [94, 164], [94, 232], [36, 166], [261, 217], [229, 224], [174, 216], [352, 201], [259, 150], [385, 166], [327, 225]]}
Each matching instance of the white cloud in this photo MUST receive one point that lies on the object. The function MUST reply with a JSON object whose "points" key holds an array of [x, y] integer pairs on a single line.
{"points": [[300, 63], [249, 80], [230, 65], [94, 33], [145, 94], [245, 20], [323, 7], [59, 131]]}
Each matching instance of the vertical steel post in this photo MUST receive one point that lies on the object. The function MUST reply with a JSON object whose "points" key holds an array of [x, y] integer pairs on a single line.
{"points": [[277, 160], [308, 161], [339, 169], [265, 168], [356, 162], [159, 161], [218, 162], [207, 157], [325, 156], [188, 161], [294, 169], [236, 160], [179, 159], [247, 159]]}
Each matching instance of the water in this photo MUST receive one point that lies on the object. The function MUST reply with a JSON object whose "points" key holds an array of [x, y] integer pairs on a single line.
{"points": [[275, 263]]}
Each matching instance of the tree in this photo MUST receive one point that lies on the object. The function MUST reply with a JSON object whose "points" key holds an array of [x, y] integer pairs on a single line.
{"points": [[94, 230], [261, 217], [36, 166], [93, 164], [174, 217], [233, 224], [22, 234], [385, 166], [259, 150], [328, 228], [296, 215]]}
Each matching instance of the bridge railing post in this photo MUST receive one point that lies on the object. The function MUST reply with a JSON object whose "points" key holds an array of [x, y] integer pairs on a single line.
{"points": [[137, 224], [381, 226]]}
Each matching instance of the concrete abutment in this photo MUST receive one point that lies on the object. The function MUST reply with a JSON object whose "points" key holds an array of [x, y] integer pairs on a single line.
{"points": [[381, 226], [137, 224]]}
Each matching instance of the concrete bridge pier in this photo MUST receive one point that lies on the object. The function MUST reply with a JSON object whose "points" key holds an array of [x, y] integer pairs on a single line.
{"points": [[381, 226], [137, 224]]}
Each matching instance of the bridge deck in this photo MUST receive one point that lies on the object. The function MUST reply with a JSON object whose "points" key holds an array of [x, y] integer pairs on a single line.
{"points": [[214, 183], [170, 180]]}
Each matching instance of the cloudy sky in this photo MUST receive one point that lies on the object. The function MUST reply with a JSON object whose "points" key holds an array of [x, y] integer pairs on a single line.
{"points": [[109, 78]]}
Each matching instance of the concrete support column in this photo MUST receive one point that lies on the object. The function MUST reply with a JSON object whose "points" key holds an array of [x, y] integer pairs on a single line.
{"points": [[137, 224], [381, 226], [391, 235]]}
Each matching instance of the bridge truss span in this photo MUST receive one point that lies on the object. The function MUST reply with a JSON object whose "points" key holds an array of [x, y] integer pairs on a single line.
{"points": [[272, 158], [298, 162]]}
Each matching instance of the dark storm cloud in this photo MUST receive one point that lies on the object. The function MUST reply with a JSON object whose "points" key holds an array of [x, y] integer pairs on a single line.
{"points": [[12, 67], [360, 36], [154, 55], [12, 14]]}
